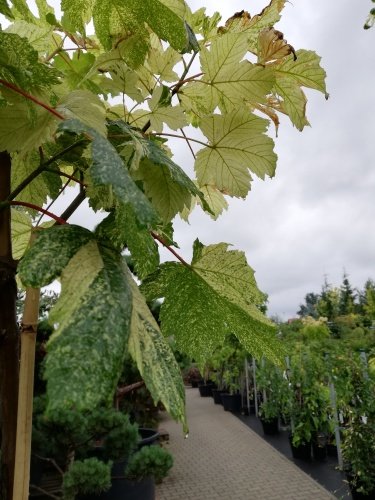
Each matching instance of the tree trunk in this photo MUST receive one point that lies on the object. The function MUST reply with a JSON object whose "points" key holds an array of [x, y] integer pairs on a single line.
{"points": [[9, 340]]}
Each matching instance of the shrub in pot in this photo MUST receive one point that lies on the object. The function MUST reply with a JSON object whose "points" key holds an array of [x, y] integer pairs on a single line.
{"points": [[269, 416], [358, 443]]}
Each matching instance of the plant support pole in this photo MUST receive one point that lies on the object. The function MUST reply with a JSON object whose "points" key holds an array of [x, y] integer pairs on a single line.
{"points": [[332, 393], [247, 385], [25, 394], [255, 388]]}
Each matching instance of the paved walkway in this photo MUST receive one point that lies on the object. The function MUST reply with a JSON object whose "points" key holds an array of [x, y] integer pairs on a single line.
{"points": [[222, 459]]}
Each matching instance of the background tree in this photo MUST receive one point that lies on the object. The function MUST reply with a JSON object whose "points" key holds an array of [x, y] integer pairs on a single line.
{"points": [[309, 308]]}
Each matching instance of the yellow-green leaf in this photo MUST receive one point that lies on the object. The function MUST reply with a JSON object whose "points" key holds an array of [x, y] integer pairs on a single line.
{"points": [[237, 145], [21, 230]]}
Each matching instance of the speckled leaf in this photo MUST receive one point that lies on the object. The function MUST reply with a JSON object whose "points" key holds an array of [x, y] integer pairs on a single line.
{"points": [[4, 8], [21, 231], [155, 359], [109, 169], [86, 352], [168, 196], [232, 81], [237, 144], [122, 229], [39, 37], [78, 12], [19, 64], [165, 183], [227, 308], [113, 16], [50, 253]]}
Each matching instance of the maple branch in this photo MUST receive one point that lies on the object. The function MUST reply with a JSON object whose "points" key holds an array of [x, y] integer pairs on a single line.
{"points": [[179, 84], [168, 247], [74, 205], [63, 174], [58, 219], [188, 142], [41, 169], [182, 137], [31, 98]]}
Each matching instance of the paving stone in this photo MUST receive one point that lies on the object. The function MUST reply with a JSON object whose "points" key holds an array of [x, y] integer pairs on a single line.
{"points": [[222, 459]]}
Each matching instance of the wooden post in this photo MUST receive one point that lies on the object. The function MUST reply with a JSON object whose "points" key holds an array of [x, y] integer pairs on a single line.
{"points": [[25, 395]]}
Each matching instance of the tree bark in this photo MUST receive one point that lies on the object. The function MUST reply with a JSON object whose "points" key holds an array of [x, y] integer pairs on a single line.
{"points": [[9, 340]]}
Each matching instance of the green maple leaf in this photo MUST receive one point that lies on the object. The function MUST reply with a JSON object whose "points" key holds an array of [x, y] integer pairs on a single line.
{"points": [[109, 169], [154, 358], [222, 281], [86, 352], [237, 144], [21, 231], [230, 81]]}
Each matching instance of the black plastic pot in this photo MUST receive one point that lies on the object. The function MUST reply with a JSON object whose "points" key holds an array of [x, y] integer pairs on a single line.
{"points": [[319, 446], [231, 402], [37, 467], [270, 427], [356, 495], [124, 488], [205, 390], [216, 394], [302, 451], [148, 437], [194, 384]]}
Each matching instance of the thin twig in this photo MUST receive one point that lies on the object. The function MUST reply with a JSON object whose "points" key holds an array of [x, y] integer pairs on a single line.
{"points": [[31, 98], [168, 247], [182, 137], [41, 169], [45, 492], [58, 219], [188, 142]]}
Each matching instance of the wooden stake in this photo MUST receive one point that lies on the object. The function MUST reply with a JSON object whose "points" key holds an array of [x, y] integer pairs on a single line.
{"points": [[25, 395]]}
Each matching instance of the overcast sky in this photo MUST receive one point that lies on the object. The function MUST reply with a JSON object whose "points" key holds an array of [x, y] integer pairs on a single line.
{"points": [[316, 217]]}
